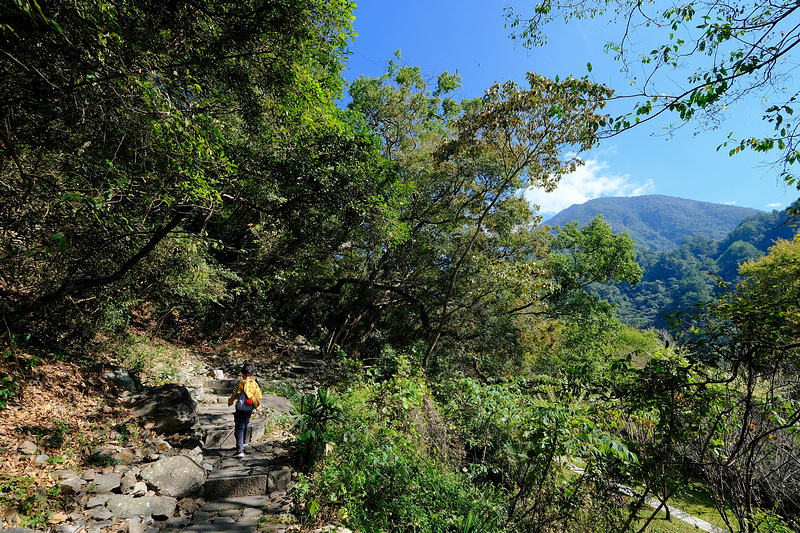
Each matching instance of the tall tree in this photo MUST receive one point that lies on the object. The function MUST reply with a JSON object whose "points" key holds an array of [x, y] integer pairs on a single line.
{"points": [[124, 123], [468, 244]]}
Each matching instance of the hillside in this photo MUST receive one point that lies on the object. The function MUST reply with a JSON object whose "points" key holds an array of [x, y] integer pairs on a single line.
{"points": [[675, 280], [657, 222]]}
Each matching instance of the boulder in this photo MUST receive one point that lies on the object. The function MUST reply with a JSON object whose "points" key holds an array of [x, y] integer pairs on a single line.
{"points": [[125, 506], [177, 476], [169, 407]]}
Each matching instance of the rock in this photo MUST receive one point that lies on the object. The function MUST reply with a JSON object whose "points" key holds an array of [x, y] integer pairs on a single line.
{"points": [[189, 506], [126, 506], [127, 482], [161, 446], [219, 374], [101, 513], [71, 485], [133, 525], [279, 480], [100, 527], [127, 455], [276, 404], [139, 489], [103, 483], [58, 475], [251, 514], [27, 448], [177, 476], [201, 517], [96, 501], [176, 522], [42, 458], [169, 407], [122, 378]]}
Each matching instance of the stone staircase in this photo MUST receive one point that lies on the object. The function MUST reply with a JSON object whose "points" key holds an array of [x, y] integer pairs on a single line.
{"points": [[243, 494]]}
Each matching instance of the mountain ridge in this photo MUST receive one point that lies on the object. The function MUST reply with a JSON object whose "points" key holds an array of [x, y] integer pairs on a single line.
{"points": [[658, 222]]}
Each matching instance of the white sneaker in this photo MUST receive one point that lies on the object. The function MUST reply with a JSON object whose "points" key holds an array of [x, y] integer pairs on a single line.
{"points": [[240, 455]]}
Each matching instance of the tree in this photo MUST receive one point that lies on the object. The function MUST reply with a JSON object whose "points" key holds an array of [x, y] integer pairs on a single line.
{"points": [[581, 259], [737, 50], [751, 334], [209, 124], [468, 243]]}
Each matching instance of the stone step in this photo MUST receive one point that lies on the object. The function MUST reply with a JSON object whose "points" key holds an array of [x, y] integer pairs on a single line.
{"points": [[299, 371], [321, 363], [216, 421], [263, 471], [225, 387]]}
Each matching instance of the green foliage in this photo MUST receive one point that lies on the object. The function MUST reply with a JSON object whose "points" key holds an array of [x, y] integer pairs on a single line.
{"points": [[314, 417], [34, 504], [179, 174], [528, 441], [8, 390], [379, 476]]}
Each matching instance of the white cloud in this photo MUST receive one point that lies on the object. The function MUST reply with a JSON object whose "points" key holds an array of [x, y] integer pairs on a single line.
{"points": [[775, 205], [588, 182], [730, 203]]}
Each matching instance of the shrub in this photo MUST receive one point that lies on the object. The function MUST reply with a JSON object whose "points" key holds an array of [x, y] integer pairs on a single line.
{"points": [[382, 476]]}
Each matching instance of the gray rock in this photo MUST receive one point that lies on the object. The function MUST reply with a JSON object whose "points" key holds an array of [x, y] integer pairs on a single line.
{"points": [[252, 514], [96, 501], [279, 479], [62, 474], [170, 407], [71, 528], [133, 525], [126, 506], [139, 489], [161, 446], [128, 455], [100, 527], [71, 485], [101, 513], [177, 476], [103, 483], [201, 517], [276, 404], [127, 482], [234, 487], [122, 378]]}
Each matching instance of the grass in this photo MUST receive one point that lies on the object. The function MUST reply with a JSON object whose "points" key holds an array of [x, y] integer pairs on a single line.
{"points": [[696, 501]]}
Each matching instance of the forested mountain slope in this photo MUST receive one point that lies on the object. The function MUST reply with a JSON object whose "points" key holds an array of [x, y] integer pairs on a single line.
{"points": [[657, 222], [676, 280]]}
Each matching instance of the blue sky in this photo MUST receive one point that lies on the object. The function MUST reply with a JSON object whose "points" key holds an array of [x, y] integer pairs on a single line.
{"points": [[469, 36]]}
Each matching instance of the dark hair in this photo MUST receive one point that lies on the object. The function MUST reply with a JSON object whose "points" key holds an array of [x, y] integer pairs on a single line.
{"points": [[248, 369]]}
